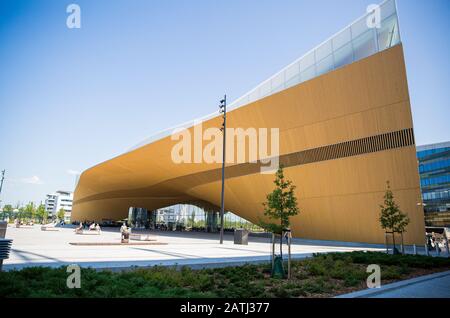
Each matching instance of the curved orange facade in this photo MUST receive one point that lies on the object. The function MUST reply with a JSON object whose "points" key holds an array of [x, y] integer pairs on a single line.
{"points": [[342, 136]]}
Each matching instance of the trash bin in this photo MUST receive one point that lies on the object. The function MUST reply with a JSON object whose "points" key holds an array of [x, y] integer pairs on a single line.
{"points": [[241, 236], [3, 226]]}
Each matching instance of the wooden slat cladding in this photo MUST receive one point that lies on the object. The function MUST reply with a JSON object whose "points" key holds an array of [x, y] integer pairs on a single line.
{"points": [[391, 140]]}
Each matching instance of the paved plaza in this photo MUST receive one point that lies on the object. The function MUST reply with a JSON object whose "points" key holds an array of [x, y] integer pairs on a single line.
{"points": [[33, 247]]}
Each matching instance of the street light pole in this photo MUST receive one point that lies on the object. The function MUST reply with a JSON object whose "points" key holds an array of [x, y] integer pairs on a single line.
{"points": [[1, 186], [223, 110], [1, 183]]}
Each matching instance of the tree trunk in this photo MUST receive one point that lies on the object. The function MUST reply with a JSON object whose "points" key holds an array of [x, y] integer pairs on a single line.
{"points": [[281, 245], [393, 242]]}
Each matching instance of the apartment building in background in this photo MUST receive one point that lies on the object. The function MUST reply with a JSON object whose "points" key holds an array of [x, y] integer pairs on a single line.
{"points": [[59, 200]]}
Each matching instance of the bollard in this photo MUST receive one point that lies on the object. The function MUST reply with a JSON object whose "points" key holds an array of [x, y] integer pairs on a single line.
{"points": [[415, 249]]}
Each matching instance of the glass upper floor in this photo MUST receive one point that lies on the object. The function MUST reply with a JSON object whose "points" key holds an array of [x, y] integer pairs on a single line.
{"points": [[353, 43]]}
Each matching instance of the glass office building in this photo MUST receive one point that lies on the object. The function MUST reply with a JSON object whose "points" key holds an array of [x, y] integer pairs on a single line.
{"points": [[434, 169]]}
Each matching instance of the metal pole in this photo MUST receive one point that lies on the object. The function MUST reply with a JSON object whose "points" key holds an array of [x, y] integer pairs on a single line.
{"points": [[3, 178], [222, 201], [289, 251], [1, 186], [272, 254], [386, 242]]}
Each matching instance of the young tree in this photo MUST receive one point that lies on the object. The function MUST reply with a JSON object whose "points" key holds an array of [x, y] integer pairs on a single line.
{"points": [[7, 211], [281, 204], [41, 213], [60, 214], [391, 217], [30, 210]]}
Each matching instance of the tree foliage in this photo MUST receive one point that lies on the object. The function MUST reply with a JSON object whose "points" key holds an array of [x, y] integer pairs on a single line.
{"points": [[41, 213], [60, 214], [281, 204], [391, 217]]}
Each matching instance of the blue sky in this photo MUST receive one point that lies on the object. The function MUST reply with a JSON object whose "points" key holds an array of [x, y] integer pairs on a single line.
{"points": [[71, 98]]}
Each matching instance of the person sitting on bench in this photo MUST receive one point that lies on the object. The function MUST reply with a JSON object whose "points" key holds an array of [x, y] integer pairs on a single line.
{"points": [[124, 233], [79, 229]]}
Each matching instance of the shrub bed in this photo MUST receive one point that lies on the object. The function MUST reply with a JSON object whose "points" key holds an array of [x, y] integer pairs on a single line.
{"points": [[323, 275]]}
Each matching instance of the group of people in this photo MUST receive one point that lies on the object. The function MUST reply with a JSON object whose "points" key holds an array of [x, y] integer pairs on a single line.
{"points": [[436, 242], [92, 227]]}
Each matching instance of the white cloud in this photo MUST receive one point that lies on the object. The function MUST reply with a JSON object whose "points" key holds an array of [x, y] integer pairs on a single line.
{"points": [[73, 172], [32, 180]]}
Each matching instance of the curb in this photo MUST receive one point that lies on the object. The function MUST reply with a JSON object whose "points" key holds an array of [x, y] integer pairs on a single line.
{"points": [[366, 293], [132, 265]]}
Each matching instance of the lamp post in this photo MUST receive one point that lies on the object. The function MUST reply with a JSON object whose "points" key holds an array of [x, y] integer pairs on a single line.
{"points": [[1, 186], [223, 110]]}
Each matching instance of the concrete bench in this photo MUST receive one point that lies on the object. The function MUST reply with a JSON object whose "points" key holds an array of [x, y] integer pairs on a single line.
{"points": [[48, 228], [81, 232], [142, 237]]}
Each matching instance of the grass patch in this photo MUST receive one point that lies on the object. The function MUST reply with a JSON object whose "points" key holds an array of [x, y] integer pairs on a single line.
{"points": [[320, 276]]}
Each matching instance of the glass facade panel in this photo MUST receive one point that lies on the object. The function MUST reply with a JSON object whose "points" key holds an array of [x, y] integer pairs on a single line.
{"points": [[364, 45], [324, 50], [342, 39], [343, 56], [277, 82], [325, 65], [387, 9], [186, 217], [434, 169], [387, 34], [253, 96], [307, 61], [265, 89], [359, 27], [308, 73], [292, 75]]}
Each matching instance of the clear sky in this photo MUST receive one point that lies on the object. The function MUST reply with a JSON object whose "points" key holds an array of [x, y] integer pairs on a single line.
{"points": [[72, 98]]}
